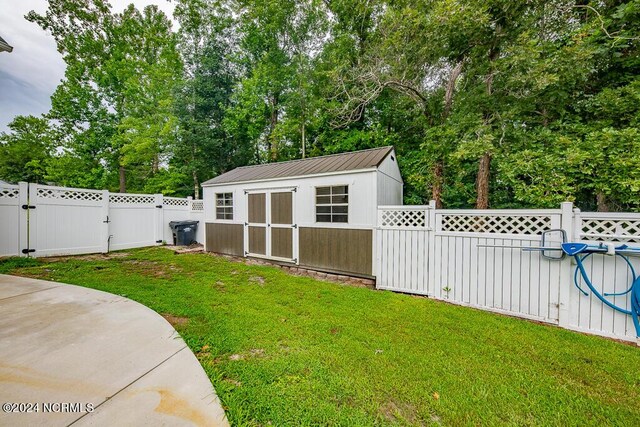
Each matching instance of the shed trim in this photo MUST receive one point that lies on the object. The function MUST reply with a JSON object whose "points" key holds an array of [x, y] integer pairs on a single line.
{"points": [[340, 163], [284, 178]]}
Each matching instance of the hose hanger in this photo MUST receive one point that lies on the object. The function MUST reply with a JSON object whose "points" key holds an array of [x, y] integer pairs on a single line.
{"points": [[550, 245]]}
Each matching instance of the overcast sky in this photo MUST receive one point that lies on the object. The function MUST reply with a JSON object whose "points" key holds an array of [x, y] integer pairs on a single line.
{"points": [[30, 74]]}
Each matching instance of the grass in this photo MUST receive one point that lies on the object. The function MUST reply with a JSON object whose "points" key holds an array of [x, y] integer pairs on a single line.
{"points": [[286, 350]]}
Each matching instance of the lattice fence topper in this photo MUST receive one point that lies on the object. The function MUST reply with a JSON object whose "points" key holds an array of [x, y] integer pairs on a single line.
{"points": [[132, 199], [499, 224], [611, 229], [197, 205], [404, 218], [9, 193], [80, 195], [175, 201]]}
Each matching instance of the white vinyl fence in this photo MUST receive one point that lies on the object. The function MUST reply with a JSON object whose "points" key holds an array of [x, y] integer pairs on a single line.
{"points": [[460, 256], [43, 220], [13, 232]]}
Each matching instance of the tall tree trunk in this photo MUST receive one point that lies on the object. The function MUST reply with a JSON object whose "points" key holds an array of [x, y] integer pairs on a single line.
{"points": [[304, 141], [451, 85], [438, 168], [601, 202], [155, 167], [482, 185], [123, 180], [273, 146], [196, 185], [484, 163], [194, 173], [436, 189]]}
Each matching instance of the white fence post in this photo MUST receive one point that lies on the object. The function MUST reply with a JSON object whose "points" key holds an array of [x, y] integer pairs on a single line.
{"points": [[564, 294], [431, 242], [32, 220], [159, 219], [105, 222], [23, 222], [577, 225]]}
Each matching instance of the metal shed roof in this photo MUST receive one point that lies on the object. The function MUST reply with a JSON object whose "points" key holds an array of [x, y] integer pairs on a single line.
{"points": [[343, 162]]}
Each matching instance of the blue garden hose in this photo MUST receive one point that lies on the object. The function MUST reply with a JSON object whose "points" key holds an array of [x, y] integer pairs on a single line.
{"points": [[576, 249], [606, 294]]}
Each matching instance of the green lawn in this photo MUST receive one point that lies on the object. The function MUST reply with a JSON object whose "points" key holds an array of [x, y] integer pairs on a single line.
{"points": [[286, 350]]}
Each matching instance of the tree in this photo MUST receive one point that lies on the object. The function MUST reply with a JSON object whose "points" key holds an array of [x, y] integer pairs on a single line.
{"points": [[204, 147], [25, 153], [113, 107], [277, 43]]}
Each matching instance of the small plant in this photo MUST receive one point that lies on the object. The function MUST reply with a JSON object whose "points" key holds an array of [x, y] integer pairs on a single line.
{"points": [[447, 289]]}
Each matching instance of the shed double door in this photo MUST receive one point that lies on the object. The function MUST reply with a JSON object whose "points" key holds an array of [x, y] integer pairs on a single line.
{"points": [[270, 231]]}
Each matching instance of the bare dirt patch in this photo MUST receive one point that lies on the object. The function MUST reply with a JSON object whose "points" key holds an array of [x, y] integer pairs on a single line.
{"points": [[191, 249], [233, 382], [394, 412], [175, 320], [92, 257], [254, 352], [257, 279], [159, 270]]}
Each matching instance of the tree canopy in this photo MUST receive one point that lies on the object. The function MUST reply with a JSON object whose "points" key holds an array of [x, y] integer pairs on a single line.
{"points": [[490, 103]]}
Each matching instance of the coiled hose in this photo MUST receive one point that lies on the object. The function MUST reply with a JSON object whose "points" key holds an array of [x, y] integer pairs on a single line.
{"points": [[634, 289]]}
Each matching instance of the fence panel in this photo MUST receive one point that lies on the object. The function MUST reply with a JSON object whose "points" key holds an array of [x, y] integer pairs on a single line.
{"points": [[173, 209], [402, 248], [197, 214], [10, 212], [609, 274], [133, 220], [479, 264], [458, 256], [66, 221]]}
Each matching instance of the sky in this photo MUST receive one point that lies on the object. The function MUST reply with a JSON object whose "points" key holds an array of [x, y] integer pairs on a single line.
{"points": [[30, 74]]}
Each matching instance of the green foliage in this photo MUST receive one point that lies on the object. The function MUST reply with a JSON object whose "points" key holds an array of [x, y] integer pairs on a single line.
{"points": [[544, 93], [547, 91], [204, 146], [25, 153], [113, 109]]}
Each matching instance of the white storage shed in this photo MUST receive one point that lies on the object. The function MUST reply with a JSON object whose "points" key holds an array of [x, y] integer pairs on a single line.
{"points": [[318, 213]]}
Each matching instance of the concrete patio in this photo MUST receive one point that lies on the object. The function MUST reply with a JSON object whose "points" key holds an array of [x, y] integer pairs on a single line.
{"points": [[84, 357]]}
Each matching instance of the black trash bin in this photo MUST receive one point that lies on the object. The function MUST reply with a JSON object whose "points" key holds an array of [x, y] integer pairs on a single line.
{"points": [[184, 232]]}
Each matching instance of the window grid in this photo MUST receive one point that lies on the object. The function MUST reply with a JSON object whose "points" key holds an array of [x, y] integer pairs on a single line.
{"points": [[332, 204], [224, 205]]}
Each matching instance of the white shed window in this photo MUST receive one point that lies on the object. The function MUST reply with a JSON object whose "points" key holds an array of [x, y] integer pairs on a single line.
{"points": [[224, 205], [332, 204]]}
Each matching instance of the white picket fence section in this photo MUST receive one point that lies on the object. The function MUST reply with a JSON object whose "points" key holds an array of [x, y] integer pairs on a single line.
{"points": [[43, 220], [457, 256]]}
